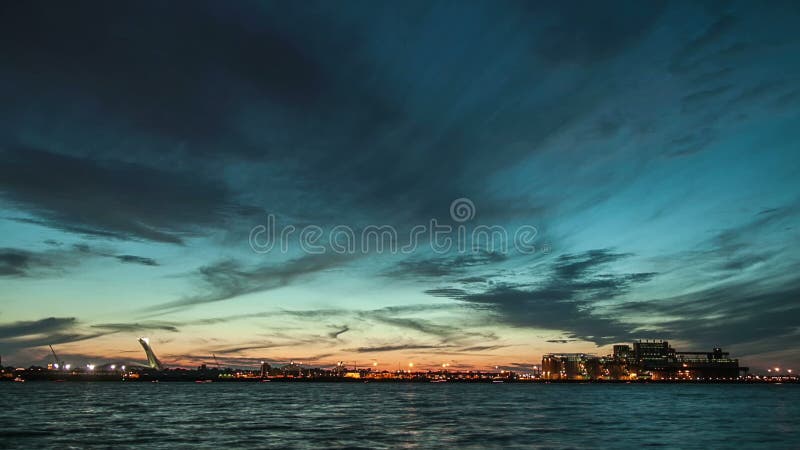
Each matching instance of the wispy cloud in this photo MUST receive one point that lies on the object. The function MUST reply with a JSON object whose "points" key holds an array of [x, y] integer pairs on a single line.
{"points": [[444, 266], [338, 332], [228, 279], [562, 302], [133, 259], [36, 333], [15, 262], [137, 327], [160, 205], [396, 347]]}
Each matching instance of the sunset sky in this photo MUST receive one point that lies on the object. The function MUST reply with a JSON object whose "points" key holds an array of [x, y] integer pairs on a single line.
{"points": [[655, 148]]}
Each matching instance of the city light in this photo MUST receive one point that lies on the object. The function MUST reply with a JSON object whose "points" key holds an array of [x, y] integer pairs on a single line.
{"points": [[659, 363]]}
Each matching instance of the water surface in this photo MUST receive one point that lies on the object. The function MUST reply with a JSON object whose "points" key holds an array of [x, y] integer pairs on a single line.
{"points": [[382, 415]]}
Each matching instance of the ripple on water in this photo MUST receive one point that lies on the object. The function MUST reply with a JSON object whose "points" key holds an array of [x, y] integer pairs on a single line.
{"points": [[378, 415]]}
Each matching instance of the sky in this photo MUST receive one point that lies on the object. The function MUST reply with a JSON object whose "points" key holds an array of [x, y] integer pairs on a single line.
{"points": [[651, 149]]}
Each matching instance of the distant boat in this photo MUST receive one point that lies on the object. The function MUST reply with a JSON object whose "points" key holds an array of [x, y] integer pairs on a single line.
{"points": [[498, 381], [19, 380], [438, 381]]}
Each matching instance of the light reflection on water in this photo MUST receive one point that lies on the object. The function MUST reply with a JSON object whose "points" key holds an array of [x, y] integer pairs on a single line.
{"points": [[166, 415]]}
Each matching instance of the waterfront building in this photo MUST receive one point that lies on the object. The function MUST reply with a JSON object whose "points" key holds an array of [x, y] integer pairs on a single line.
{"points": [[622, 352], [265, 368], [570, 366], [644, 359]]}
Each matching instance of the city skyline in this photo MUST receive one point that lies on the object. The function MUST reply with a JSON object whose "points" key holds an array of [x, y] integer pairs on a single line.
{"points": [[641, 360], [648, 360], [650, 150]]}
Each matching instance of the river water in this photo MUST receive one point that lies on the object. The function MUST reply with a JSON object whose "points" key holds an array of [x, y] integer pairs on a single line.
{"points": [[391, 415]]}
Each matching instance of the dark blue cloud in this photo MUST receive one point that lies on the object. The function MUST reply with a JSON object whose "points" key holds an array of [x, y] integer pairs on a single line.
{"points": [[111, 198], [15, 262], [564, 300]]}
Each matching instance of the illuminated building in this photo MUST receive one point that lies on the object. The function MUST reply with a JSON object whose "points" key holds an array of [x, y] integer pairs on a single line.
{"points": [[152, 360], [622, 352], [645, 359], [570, 366], [659, 361], [714, 364], [654, 358], [292, 369], [265, 368]]}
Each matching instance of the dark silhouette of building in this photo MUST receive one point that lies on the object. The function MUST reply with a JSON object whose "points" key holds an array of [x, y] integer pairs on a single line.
{"points": [[265, 368], [570, 366], [644, 359]]}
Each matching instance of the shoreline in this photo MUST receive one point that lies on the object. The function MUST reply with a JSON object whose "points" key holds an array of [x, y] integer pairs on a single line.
{"points": [[85, 379]]}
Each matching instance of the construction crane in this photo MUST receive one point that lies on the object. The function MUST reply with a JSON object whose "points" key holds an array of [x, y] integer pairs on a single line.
{"points": [[58, 363], [216, 362]]}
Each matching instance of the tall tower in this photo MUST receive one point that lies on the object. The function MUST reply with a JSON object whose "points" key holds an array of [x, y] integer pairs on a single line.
{"points": [[265, 367], [152, 360]]}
